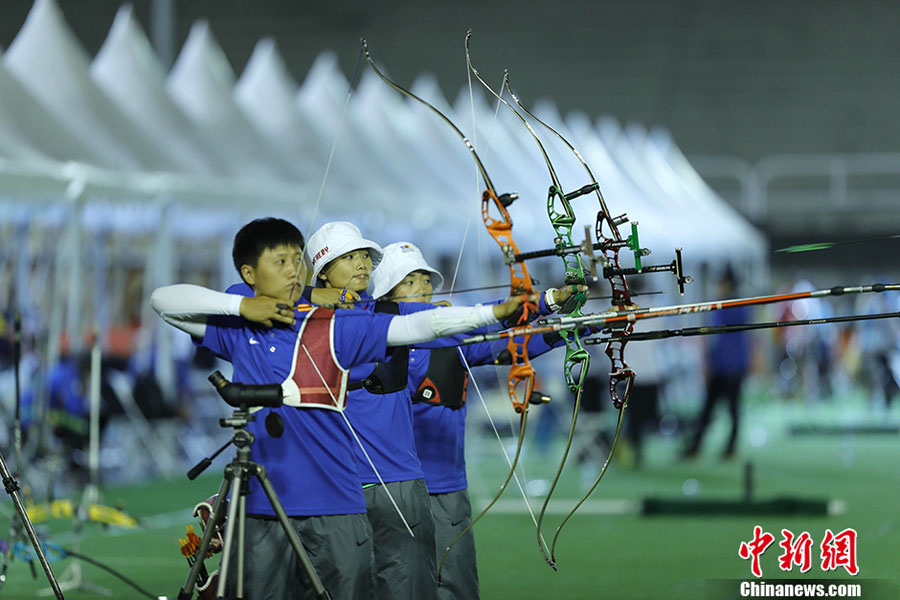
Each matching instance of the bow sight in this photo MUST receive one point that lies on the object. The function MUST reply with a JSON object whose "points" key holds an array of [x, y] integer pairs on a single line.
{"points": [[586, 248]]}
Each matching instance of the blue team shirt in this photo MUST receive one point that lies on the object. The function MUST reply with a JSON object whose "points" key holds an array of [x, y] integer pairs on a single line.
{"points": [[440, 432], [729, 353], [312, 466], [384, 422]]}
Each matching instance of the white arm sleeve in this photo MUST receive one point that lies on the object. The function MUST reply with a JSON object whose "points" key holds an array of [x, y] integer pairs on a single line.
{"points": [[186, 306], [426, 325]]}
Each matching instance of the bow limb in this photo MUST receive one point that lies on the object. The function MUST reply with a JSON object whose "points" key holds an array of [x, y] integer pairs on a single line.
{"points": [[606, 463], [499, 225], [500, 228], [577, 358], [611, 244]]}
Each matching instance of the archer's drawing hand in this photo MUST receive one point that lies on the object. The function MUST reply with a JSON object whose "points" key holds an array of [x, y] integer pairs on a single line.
{"points": [[267, 311]]}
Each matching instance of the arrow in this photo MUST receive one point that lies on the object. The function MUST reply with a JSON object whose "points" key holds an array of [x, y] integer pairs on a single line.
{"points": [[623, 317], [813, 247], [719, 329]]}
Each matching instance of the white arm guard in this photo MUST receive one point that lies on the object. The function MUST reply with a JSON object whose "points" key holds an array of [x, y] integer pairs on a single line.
{"points": [[186, 306], [427, 325]]}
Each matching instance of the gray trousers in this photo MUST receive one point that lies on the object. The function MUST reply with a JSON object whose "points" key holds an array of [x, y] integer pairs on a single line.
{"points": [[405, 567], [339, 547], [459, 575]]}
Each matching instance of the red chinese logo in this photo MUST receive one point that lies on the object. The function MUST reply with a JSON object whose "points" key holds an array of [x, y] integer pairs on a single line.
{"points": [[755, 548], [839, 551], [796, 552]]}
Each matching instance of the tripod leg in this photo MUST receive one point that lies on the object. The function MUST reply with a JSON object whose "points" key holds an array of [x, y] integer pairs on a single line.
{"points": [[238, 474], [320, 590], [188, 590], [242, 524], [12, 488], [8, 482]]}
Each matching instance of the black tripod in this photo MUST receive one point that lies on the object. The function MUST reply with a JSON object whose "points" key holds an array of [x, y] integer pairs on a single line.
{"points": [[12, 488], [237, 477]]}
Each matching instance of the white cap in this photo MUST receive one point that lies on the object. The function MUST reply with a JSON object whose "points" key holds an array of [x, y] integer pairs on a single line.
{"points": [[334, 239], [399, 260]]}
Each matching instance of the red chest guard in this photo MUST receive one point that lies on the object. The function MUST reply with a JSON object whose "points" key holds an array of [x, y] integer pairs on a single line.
{"points": [[316, 379]]}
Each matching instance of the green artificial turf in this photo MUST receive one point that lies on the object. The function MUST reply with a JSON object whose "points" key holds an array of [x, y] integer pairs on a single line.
{"points": [[600, 555]]}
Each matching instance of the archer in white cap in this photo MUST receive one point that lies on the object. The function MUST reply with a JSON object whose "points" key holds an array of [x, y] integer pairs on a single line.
{"points": [[437, 384], [313, 459], [342, 258], [405, 274], [379, 409]]}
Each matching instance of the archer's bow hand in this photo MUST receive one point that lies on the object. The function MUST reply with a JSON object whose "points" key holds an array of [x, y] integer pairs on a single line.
{"points": [[334, 297], [266, 311], [515, 304], [556, 299]]}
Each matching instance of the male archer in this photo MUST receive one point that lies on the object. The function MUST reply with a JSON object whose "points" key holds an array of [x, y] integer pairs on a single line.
{"points": [[311, 465]]}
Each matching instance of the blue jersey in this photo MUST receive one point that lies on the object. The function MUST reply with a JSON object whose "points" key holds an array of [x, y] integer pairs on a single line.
{"points": [[729, 353], [384, 422], [312, 465], [440, 431]]}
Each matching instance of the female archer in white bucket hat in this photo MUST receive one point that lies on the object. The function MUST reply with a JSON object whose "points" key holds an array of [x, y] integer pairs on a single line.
{"points": [[342, 258], [438, 380], [380, 410], [310, 458], [405, 274]]}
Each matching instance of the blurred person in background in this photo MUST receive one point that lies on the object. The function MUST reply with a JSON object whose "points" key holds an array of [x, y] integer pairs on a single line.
{"points": [[728, 362], [878, 342], [805, 368]]}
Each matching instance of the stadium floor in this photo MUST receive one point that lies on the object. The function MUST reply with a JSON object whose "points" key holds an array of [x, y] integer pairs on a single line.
{"points": [[608, 550]]}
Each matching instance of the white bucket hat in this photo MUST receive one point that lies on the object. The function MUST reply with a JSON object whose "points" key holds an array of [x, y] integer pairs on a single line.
{"points": [[332, 240], [399, 260]]}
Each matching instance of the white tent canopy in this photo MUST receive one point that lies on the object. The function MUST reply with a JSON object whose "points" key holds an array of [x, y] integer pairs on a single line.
{"points": [[49, 62], [205, 150], [127, 70]]}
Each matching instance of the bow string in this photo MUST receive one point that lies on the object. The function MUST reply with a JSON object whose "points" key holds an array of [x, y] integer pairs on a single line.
{"points": [[497, 220], [562, 219]]}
